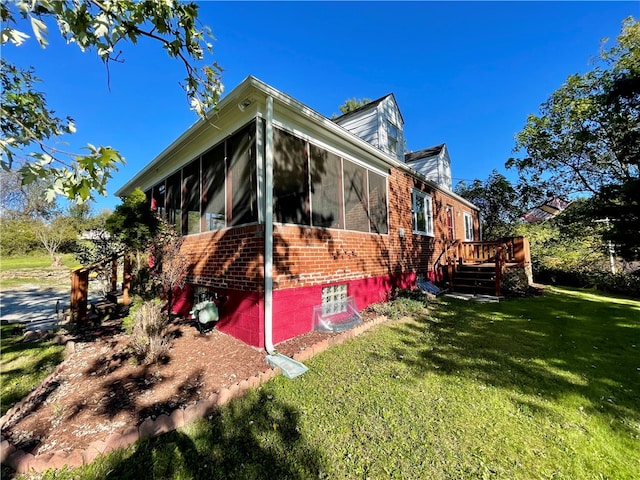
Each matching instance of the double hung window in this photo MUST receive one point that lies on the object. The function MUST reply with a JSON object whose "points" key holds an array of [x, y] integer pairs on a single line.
{"points": [[392, 137], [422, 207], [468, 227]]}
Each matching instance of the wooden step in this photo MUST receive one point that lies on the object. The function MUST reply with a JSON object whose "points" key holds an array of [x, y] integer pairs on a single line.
{"points": [[483, 277], [476, 269], [474, 288]]}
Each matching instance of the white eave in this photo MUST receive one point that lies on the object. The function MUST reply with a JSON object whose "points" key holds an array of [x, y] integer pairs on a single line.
{"points": [[250, 86]]}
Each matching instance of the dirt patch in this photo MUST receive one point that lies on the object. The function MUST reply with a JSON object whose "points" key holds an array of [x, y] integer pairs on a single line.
{"points": [[100, 389]]}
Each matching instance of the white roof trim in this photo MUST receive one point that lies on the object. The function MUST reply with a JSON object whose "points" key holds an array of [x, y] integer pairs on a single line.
{"points": [[241, 91]]}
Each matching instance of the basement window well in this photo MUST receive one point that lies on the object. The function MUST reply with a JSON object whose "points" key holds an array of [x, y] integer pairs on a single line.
{"points": [[337, 311]]}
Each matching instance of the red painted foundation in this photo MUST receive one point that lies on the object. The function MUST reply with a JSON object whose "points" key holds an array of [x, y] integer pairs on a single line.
{"points": [[242, 315]]}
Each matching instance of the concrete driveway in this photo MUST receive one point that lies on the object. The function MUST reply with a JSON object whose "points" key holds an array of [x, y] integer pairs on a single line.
{"points": [[33, 306]]}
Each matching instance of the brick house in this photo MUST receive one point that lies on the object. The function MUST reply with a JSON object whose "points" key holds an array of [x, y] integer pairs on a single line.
{"points": [[283, 209]]}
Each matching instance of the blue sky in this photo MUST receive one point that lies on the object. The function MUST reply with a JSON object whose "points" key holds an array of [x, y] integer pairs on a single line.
{"points": [[463, 73]]}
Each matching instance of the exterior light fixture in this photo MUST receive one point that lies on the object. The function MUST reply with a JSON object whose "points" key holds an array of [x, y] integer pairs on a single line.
{"points": [[244, 104]]}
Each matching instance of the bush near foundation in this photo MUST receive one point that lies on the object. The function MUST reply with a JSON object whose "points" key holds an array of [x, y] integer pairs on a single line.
{"points": [[147, 326]]}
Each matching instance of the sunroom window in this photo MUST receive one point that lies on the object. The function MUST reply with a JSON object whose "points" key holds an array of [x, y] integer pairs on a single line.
{"points": [[422, 213], [313, 186], [213, 199]]}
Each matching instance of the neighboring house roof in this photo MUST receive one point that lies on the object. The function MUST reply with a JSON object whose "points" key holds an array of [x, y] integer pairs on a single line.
{"points": [[424, 153], [546, 211], [249, 99]]}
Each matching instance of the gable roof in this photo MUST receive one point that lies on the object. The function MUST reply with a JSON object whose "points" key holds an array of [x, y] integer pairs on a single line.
{"points": [[424, 153], [369, 106], [251, 89]]}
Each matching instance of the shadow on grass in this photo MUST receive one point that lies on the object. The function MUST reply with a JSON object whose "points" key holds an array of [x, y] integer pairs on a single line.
{"points": [[255, 436], [562, 344], [18, 381]]}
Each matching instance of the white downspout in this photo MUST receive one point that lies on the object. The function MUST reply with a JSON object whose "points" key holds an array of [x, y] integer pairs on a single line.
{"points": [[268, 229]]}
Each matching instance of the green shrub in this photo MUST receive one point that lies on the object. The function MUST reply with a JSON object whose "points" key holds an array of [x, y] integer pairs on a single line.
{"points": [[619, 283], [19, 237], [405, 303], [147, 326]]}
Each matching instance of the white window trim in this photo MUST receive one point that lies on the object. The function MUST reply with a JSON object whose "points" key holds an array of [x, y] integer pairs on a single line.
{"points": [[468, 221], [426, 202], [392, 140]]}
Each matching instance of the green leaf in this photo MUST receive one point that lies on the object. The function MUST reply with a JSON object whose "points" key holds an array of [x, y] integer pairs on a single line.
{"points": [[39, 30]]}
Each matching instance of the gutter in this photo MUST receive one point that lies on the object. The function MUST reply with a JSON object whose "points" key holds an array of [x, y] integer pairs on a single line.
{"points": [[243, 89]]}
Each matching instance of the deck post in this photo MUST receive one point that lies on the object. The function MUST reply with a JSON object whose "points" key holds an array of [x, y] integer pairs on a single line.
{"points": [[126, 281], [450, 265], [79, 294], [522, 254], [499, 263], [521, 250], [114, 274]]}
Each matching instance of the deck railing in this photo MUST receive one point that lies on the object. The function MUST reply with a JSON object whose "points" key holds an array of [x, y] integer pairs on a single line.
{"points": [[514, 250], [80, 284], [501, 253]]}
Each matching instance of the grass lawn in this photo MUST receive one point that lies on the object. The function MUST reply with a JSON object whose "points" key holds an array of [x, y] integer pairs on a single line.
{"points": [[23, 365], [34, 261], [545, 387]]}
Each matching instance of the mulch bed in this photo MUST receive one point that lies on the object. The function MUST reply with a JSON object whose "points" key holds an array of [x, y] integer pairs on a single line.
{"points": [[101, 389]]}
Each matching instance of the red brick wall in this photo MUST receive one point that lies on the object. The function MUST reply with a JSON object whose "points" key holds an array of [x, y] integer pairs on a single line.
{"points": [[230, 258], [305, 259], [306, 256]]}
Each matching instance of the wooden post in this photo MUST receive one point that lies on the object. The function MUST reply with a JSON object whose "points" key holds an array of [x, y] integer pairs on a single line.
{"points": [[114, 274], [499, 261], [521, 250], [126, 283], [522, 254], [450, 272], [79, 294]]}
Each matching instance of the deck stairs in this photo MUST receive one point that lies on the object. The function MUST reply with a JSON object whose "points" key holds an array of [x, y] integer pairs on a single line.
{"points": [[474, 278], [478, 268]]}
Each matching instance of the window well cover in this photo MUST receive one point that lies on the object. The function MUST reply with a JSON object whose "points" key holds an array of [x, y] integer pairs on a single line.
{"points": [[336, 316]]}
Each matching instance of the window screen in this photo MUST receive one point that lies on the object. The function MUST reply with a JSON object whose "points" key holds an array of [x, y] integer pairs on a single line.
{"points": [[241, 154], [213, 190], [174, 201], [290, 179], [378, 203], [191, 198], [326, 188], [355, 197], [158, 200]]}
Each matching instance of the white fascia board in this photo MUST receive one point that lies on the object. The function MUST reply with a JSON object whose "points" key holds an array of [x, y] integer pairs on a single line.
{"points": [[257, 91], [325, 125], [159, 166]]}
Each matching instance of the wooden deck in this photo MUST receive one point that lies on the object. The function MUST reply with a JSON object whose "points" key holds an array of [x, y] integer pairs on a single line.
{"points": [[478, 267]]}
